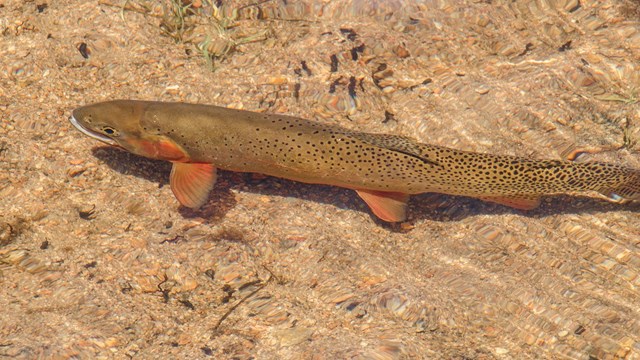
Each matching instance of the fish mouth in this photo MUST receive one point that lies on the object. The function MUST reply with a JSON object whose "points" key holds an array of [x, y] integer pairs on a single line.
{"points": [[90, 133]]}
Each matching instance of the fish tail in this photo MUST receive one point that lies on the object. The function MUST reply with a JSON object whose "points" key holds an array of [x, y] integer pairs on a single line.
{"points": [[621, 184], [623, 192]]}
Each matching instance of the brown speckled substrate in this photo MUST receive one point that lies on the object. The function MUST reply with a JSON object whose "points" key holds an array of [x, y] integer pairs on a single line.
{"points": [[97, 260]]}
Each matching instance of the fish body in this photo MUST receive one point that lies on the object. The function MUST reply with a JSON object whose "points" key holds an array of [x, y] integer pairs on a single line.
{"points": [[383, 169]]}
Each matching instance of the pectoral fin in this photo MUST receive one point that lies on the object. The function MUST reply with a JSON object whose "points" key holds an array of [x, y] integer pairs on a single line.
{"points": [[191, 183], [388, 206], [516, 202]]}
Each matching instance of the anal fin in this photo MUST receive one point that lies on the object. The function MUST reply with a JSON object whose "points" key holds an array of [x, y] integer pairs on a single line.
{"points": [[388, 206], [516, 202], [192, 182]]}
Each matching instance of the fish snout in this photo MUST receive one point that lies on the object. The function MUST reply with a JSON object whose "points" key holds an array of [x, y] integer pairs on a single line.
{"points": [[78, 125]]}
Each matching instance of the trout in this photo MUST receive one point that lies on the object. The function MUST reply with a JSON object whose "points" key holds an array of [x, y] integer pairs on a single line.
{"points": [[383, 169]]}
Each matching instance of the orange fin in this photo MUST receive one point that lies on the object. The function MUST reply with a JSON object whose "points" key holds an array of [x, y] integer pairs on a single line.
{"points": [[191, 183], [388, 206], [575, 153], [516, 202]]}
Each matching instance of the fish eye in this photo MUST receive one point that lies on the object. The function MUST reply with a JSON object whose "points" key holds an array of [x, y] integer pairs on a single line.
{"points": [[109, 130]]}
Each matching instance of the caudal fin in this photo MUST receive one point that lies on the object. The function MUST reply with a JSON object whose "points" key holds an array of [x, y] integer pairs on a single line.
{"points": [[625, 188]]}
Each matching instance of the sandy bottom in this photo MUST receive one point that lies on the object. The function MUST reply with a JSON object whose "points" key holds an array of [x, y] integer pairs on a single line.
{"points": [[98, 260]]}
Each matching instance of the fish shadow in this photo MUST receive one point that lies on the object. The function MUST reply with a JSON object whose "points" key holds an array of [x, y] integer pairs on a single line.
{"points": [[427, 206], [221, 199]]}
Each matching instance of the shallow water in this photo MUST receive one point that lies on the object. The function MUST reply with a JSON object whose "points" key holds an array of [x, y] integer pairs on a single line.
{"points": [[98, 259]]}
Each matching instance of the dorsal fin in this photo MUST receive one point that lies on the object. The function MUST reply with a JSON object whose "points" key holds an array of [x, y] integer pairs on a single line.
{"points": [[400, 144]]}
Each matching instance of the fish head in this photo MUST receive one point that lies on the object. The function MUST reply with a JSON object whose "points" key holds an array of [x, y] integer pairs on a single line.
{"points": [[107, 122], [118, 123]]}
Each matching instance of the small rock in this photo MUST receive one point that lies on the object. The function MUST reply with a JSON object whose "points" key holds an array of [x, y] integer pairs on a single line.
{"points": [[6, 233], [483, 89], [293, 336], [401, 51], [76, 170]]}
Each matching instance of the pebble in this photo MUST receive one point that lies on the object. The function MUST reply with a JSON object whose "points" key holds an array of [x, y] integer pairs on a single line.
{"points": [[293, 336], [483, 89]]}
